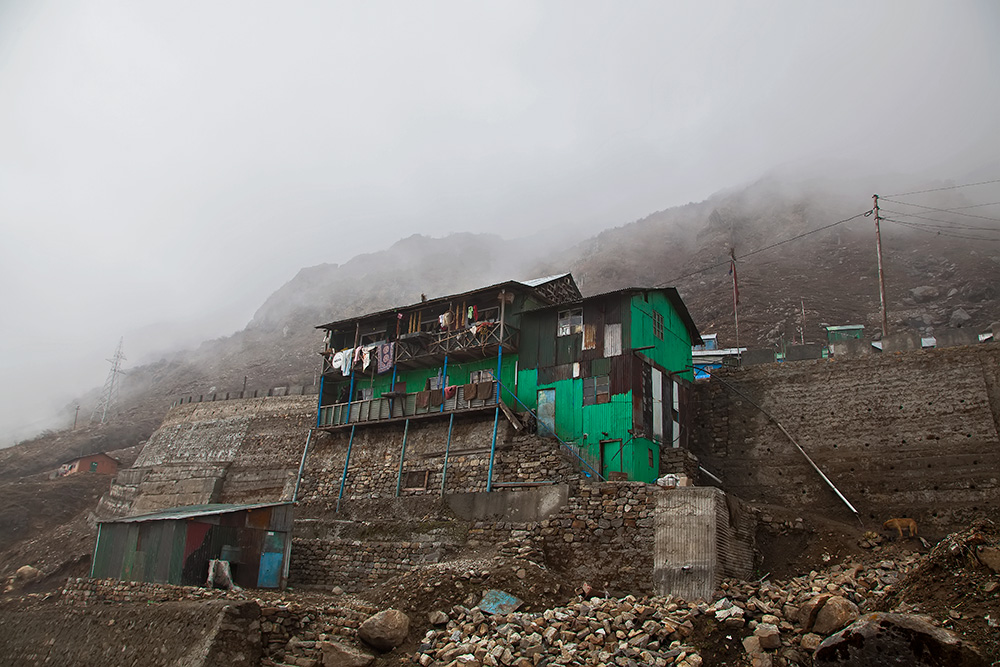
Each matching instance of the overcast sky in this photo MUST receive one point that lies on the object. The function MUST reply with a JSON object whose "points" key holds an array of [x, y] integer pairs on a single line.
{"points": [[164, 166]]}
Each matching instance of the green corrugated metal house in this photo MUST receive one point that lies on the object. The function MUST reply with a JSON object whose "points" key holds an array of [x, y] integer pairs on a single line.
{"points": [[609, 374], [174, 546], [605, 374]]}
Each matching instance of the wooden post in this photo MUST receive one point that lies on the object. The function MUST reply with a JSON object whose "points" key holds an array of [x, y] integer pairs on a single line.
{"points": [[881, 275]]}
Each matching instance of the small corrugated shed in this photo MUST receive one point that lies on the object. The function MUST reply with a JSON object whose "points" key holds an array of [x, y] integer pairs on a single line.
{"points": [[174, 546]]}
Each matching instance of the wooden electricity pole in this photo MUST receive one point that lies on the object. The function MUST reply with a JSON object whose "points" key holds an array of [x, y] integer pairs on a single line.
{"points": [[881, 275]]}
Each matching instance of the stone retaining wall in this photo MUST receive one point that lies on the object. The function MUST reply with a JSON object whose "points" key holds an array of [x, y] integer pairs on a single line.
{"points": [[904, 434]]}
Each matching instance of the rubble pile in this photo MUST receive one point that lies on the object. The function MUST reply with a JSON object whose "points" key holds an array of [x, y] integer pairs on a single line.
{"points": [[771, 623], [595, 631]]}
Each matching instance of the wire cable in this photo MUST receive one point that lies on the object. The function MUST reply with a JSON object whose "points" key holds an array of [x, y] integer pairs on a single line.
{"points": [[950, 187], [937, 232], [765, 248], [945, 223], [939, 210]]}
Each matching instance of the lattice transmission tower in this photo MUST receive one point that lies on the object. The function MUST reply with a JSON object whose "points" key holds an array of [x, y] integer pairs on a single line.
{"points": [[109, 395]]}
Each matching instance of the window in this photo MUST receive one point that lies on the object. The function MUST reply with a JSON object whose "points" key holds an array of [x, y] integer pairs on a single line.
{"points": [[570, 322], [650, 457], [416, 479], [596, 390], [481, 376], [658, 325], [366, 394]]}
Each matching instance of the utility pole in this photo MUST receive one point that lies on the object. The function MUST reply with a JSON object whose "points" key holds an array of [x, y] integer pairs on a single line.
{"points": [[881, 275], [736, 298], [803, 303]]}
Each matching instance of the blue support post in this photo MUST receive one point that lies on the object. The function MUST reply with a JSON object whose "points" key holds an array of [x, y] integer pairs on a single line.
{"points": [[347, 460], [447, 447], [444, 382], [402, 454], [319, 403], [493, 450]]}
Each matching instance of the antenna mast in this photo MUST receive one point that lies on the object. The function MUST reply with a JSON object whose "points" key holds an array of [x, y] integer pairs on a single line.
{"points": [[109, 395]]}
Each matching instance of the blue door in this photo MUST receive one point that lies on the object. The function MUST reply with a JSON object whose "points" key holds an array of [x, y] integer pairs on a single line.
{"points": [[546, 411], [271, 560]]}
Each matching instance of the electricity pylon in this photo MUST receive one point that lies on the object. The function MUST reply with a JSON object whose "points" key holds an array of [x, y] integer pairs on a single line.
{"points": [[109, 395]]}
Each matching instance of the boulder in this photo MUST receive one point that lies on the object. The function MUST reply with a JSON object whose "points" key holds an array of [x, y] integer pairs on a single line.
{"points": [[896, 639], [437, 618], [959, 317], [26, 574], [385, 630], [924, 293], [768, 635], [988, 556], [336, 654], [835, 614]]}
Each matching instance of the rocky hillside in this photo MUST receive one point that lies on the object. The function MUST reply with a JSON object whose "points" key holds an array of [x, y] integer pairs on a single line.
{"points": [[935, 277]]}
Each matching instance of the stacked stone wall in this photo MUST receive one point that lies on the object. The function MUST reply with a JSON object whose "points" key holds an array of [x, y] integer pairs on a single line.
{"points": [[902, 434]]}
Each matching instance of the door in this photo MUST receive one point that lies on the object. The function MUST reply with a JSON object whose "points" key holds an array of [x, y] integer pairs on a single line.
{"points": [[612, 453], [271, 557], [546, 411]]}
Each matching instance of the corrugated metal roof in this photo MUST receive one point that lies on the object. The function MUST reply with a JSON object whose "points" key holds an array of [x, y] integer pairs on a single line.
{"points": [[535, 282], [515, 284], [191, 511], [846, 327]]}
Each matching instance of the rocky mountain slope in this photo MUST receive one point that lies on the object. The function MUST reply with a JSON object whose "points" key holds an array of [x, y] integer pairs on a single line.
{"points": [[936, 276]]}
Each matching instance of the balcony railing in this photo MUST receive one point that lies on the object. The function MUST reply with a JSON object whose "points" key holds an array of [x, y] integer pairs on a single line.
{"points": [[407, 405]]}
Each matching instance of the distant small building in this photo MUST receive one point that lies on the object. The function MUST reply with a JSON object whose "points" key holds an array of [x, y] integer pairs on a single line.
{"points": [[99, 463], [845, 332], [709, 356], [174, 546]]}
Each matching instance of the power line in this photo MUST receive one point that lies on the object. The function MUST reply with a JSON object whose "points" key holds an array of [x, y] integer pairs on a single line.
{"points": [[937, 232], [765, 248], [945, 223], [940, 210], [950, 187]]}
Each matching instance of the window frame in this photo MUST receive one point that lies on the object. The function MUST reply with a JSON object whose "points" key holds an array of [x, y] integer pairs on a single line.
{"points": [[569, 321]]}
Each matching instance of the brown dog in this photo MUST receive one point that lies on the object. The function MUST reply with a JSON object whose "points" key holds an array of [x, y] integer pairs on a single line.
{"points": [[900, 524]]}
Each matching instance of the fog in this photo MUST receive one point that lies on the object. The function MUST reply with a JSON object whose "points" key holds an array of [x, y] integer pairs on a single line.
{"points": [[165, 166]]}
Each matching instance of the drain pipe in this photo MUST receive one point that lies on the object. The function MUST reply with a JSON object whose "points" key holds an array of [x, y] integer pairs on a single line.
{"points": [[302, 466], [793, 441]]}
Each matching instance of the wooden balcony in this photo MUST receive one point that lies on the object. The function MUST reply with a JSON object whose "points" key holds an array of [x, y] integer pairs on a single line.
{"points": [[387, 409], [423, 348]]}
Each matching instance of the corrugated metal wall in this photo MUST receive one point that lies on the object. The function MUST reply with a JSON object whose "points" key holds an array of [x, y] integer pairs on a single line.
{"points": [[701, 538], [685, 559]]}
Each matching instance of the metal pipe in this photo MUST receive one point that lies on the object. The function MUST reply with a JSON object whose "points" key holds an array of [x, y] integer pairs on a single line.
{"points": [[347, 460], [444, 382], [302, 466], [793, 441], [402, 455], [493, 449], [447, 447]]}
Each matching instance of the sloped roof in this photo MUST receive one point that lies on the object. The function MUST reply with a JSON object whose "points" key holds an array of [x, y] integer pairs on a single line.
{"points": [[520, 285], [192, 511]]}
